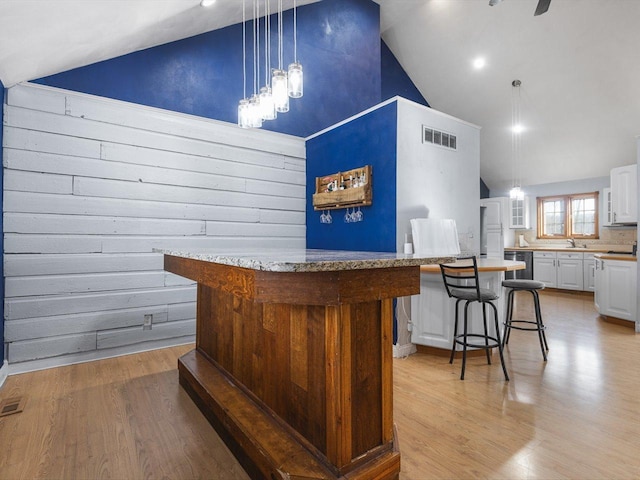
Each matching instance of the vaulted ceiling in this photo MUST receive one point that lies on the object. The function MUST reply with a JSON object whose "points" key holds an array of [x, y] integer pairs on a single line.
{"points": [[580, 93]]}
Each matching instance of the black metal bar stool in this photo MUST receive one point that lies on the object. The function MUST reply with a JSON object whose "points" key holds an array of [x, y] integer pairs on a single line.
{"points": [[461, 283], [531, 286]]}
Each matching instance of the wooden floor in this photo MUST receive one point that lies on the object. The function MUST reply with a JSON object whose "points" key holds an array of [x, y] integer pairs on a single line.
{"points": [[577, 416]]}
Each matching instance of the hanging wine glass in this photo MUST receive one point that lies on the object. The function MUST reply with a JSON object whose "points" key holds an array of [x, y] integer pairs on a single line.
{"points": [[359, 215], [347, 217], [329, 217]]}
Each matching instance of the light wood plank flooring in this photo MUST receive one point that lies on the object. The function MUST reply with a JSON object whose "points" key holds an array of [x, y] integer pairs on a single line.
{"points": [[577, 416]]}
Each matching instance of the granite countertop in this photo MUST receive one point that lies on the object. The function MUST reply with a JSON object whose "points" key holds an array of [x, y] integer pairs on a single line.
{"points": [[301, 260]]}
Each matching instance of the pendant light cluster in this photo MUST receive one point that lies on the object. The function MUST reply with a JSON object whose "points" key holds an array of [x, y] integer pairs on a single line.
{"points": [[279, 84]]}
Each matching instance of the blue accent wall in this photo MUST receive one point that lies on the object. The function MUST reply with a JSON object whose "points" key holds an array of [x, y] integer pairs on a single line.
{"points": [[338, 46], [394, 79], [367, 140]]}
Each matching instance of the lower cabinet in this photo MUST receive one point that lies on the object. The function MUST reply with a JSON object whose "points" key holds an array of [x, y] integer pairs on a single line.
{"points": [[559, 269], [544, 268], [589, 273], [615, 288], [433, 312]]}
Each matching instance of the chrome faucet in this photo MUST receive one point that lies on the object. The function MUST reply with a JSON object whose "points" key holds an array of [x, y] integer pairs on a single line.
{"points": [[572, 242]]}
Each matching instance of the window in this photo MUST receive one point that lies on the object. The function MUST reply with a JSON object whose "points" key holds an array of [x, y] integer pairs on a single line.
{"points": [[568, 216]]}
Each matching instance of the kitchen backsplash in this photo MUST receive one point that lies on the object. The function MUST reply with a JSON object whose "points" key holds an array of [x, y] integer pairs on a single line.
{"points": [[608, 236]]}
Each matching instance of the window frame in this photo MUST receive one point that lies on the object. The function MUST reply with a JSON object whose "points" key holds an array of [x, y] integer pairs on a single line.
{"points": [[568, 216]]}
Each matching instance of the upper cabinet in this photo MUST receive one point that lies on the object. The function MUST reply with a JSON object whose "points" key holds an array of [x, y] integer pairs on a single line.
{"points": [[519, 213], [624, 194]]}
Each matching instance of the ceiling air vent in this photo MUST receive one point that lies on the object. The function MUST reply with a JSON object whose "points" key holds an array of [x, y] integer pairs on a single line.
{"points": [[439, 138]]}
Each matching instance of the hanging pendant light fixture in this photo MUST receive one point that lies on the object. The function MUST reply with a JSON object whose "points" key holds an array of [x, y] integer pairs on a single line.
{"points": [[280, 85], [243, 105], [279, 78], [254, 103], [295, 85], [516, 140], [267, 105]]}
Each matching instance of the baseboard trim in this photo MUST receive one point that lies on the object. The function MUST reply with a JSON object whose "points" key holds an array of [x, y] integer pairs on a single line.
{"points": [[4, 372], [72, 359], [401, 351]]}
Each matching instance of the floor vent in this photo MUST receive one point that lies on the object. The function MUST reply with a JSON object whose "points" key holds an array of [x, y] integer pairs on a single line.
{"points": [[11, 406]]}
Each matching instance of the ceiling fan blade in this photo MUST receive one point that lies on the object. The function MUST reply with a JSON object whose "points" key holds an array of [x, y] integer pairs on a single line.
{"points": [[543, 6], [494, 2]]}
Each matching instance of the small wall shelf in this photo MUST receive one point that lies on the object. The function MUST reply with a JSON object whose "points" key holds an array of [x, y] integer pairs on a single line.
{"points": [[351, 188]]}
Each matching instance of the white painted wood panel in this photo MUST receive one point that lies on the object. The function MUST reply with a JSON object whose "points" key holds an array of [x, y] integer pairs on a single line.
{"points": [[97, 282], [134, 335], [79, 166], [74, 224], [35, 141], [37, 182], [147, 244], [222, 160], [181, 311], [82, 303], [93, 185], [23, 329], [19, 243], [28, 202], [51, 347], [60, 264], [254, 230]]}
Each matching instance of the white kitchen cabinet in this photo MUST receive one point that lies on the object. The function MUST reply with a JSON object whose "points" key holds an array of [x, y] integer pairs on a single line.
{"points": [[569, 270], [559, 269], [519, 212], [616, 292], [624, 194], [433, 312], [588, 272], [544, 268]]}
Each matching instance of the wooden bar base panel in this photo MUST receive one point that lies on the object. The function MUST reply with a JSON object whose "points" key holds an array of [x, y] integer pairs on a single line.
{"points": [[295, 377]]}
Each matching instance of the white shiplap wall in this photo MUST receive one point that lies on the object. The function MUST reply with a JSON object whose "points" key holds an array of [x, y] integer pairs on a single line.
{"points": [[92, 185]]}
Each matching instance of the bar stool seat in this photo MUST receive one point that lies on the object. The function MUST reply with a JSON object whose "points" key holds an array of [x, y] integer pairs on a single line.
{"points": [[461, 282], [537, 325]]}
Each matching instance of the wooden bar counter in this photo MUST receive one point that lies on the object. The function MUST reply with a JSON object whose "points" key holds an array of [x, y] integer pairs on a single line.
{"points": [[293, 357]]}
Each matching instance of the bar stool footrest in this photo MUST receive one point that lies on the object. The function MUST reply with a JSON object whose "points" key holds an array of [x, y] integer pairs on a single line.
{"points": [[532, 322], [459, 339]]}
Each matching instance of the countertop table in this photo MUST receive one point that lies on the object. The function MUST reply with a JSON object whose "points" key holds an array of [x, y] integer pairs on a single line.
{"points": [[293, 357]]}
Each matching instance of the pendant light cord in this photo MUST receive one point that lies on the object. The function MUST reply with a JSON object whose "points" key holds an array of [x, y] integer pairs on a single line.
{"points": [[295, 32], [244, 51]]}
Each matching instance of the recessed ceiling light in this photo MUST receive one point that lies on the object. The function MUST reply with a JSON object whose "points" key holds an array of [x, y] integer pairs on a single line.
{"points": [[479, 63], [517, 128], [207, 3]]}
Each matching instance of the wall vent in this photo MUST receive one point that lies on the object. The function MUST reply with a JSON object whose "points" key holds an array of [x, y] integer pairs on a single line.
{"points": [[439, 138]]}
